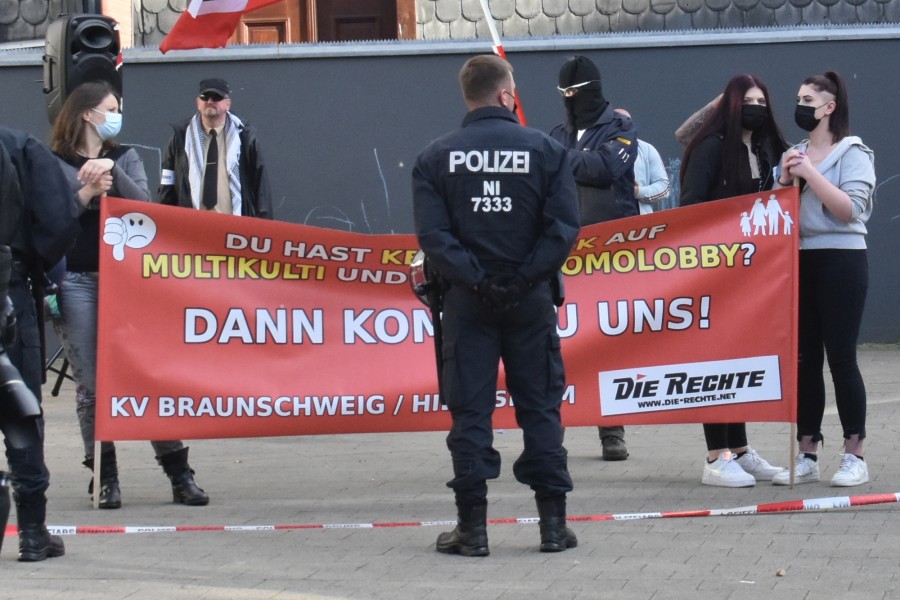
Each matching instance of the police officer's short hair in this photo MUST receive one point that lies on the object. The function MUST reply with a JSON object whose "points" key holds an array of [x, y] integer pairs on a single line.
{"points": [[482, 75]]}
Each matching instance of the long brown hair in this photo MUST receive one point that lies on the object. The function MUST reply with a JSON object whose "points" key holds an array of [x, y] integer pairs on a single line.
{"points": [[68, 129], [725, 121]]}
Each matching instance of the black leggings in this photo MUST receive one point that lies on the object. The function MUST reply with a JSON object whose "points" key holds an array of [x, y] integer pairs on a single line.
{"points": [[833, 285], [725, 435]]}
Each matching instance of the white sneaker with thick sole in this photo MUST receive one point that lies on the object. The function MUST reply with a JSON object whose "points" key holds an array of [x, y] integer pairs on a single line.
{"points": [[852, 471], [806, 470], [756, 465], [725, 472]]}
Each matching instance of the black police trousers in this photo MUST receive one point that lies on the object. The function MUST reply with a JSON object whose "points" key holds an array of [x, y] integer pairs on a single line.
{"points": [[27, 471], [476, 339]]}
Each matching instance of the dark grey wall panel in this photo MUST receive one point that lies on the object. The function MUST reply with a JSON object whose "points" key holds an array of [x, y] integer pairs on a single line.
{"points": [[340, 133]]}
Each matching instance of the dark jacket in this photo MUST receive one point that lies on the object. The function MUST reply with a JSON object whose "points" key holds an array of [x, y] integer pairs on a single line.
{"points": [[256, 200], [494, 197], [703, 178], [11, 202], [46, 228], [603, 164], [48, 224]]}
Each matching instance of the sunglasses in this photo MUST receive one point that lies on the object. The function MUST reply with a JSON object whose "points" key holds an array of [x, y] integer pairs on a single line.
{"points": [[211, 96], [573, 89]]}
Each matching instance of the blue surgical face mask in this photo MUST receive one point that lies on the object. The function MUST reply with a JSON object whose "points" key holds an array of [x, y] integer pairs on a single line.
{"points": [[111, 126]]}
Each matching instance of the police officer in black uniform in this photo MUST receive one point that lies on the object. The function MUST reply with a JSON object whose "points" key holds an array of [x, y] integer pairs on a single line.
{"points": [[496, 213], [45, 230]]}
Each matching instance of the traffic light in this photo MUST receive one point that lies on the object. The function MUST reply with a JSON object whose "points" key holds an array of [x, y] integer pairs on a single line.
{"points": [[79, 48]]}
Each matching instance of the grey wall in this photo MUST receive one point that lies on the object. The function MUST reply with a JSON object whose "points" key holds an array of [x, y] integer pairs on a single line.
{"points": [[340, 133]]}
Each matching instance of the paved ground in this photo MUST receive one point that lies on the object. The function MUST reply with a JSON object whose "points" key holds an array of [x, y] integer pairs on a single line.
{"points": [[398, 478]]}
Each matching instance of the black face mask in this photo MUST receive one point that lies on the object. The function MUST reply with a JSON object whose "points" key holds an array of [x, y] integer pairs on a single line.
{"points": [[515, 107], [585, 107], [805, 117], [753, 116]]}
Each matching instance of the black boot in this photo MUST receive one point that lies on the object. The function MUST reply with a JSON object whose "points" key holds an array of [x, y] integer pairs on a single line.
{"points": [[469, 538], [4, 505], [184, 489], [110, 495], [555, 536], [35, 542]]}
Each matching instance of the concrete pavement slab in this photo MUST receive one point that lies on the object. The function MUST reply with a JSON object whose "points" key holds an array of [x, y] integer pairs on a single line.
{"points": [[361, 480]]}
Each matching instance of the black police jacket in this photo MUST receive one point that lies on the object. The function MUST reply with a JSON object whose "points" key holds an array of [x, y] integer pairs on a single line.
{"points": [[48, 225], [10, 200], [494, 197]]}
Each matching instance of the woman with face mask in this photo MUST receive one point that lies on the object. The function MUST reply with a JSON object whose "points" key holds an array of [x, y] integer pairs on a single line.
{"points": [[731, 154], [83, 139], [836, 175]]}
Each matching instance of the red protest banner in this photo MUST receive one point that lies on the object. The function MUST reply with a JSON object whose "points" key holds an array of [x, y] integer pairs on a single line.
{"points": [[216, 326], [686, 316]]}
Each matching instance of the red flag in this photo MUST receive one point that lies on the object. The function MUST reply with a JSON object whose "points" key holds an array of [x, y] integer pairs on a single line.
{"points": [[208, 23]]}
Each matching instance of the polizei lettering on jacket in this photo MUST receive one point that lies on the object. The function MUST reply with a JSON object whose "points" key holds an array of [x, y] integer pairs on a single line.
{"points": [[490, 161]]}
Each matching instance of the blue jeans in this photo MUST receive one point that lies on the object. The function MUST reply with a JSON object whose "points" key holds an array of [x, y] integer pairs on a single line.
{"points": [[76, 327]]}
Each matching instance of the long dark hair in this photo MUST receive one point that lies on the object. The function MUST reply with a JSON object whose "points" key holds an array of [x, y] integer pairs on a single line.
{"points": [[725, 121], [66, 137], [839, 121]]}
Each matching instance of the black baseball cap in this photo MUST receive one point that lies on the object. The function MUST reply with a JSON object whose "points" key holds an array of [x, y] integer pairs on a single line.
{"points": [[215, 86]]}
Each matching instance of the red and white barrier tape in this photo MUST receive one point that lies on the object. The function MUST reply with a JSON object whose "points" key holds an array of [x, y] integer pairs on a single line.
{"points": [[772, 507]]}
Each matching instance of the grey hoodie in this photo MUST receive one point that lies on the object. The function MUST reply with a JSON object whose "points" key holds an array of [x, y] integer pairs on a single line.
{"points": [[851, 167]]}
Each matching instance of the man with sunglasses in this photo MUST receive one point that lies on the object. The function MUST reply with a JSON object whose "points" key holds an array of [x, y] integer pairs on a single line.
{"points": [[602, 147], [213, 161]]}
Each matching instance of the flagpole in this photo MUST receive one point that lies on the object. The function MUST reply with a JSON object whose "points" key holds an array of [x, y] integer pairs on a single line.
{"points": [[499, 51]]}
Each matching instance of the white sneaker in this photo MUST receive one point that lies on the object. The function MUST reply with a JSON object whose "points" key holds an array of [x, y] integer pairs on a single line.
{"points": [[725, 472], [852, 471], [806, 470], [756, 465]]}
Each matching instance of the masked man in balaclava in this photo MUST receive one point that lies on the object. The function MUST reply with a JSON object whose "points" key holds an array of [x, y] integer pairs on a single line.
{"points": [[602, 146]]}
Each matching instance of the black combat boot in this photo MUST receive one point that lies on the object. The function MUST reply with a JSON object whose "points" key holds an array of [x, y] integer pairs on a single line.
{"points": [[110, 495], [555, 536], [35, 542], [184, 489], [469, 538], [4, 505]]}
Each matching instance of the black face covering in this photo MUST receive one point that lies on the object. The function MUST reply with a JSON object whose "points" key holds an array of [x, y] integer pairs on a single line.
{"points": [[753, 116], [585, 107], [805, 117], [515, 106]]}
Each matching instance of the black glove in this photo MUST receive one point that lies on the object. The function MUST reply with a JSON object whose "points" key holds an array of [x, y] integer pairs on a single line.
{"points": [[502, 292], [489, 293], [514, 288]]}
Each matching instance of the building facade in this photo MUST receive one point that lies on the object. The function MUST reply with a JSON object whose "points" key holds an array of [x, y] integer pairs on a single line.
{"points": [[146, 22]]}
